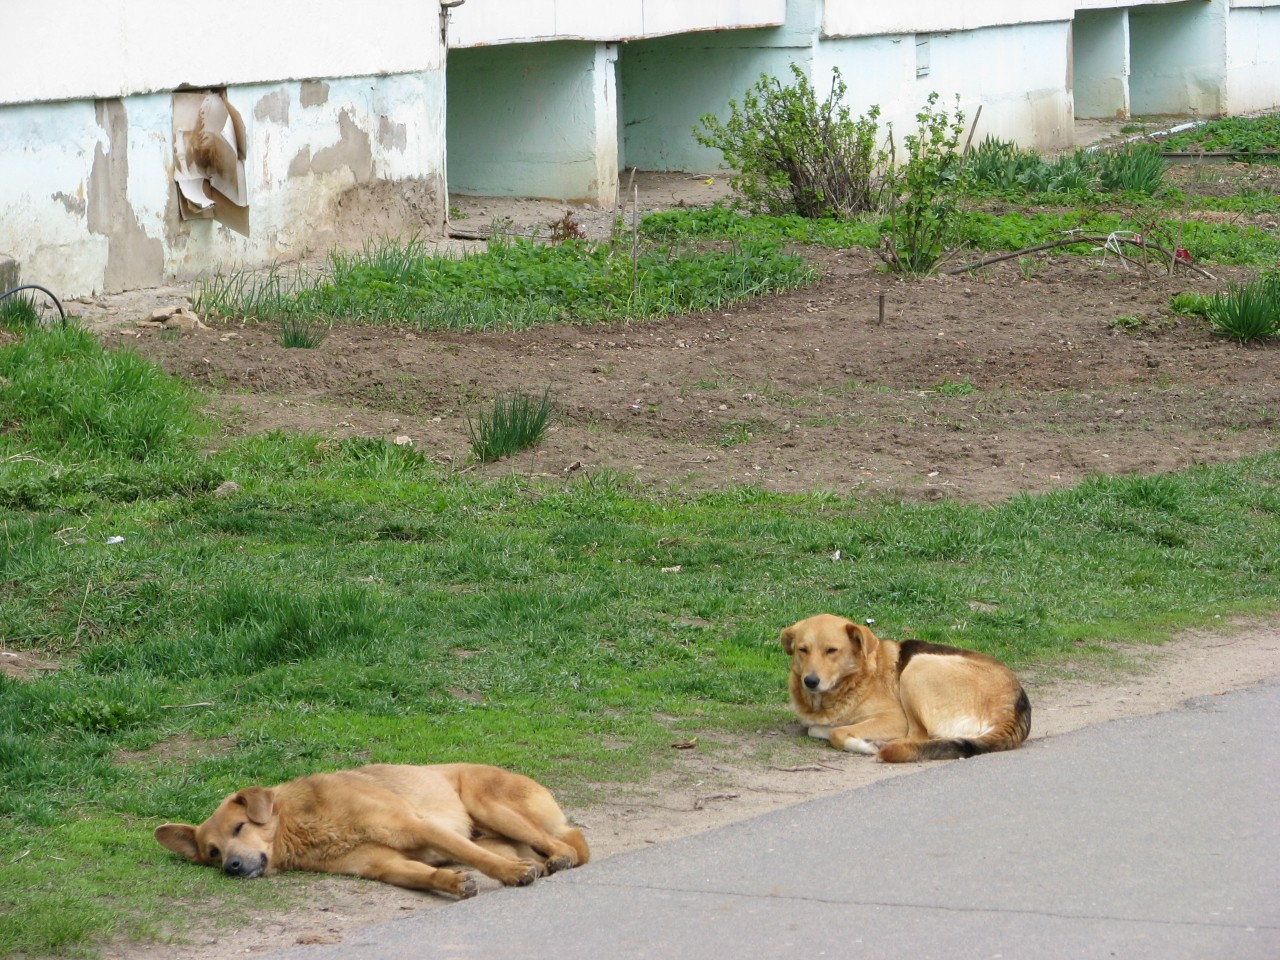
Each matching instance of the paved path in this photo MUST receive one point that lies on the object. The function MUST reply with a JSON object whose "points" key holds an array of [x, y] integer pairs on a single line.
{"points": [[1153, 837]]}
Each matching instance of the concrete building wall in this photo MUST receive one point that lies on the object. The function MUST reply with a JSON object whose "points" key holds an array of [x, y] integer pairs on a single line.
{"points": [[669, 83], [1100, 47], [534, 120], [1178, 58], [1253, 55], [486, 22], [342, 139], [1020, 75]]}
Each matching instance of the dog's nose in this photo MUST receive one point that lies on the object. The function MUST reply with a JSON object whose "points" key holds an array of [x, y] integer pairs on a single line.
{"points": [[237, 866], [811, 681]]}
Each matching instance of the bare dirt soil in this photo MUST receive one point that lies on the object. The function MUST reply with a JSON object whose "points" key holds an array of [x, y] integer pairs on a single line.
{"points": [[971, 388], [1025, 378]]}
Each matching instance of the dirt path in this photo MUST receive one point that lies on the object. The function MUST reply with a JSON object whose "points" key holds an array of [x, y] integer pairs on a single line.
{"points": [[705, 790]]}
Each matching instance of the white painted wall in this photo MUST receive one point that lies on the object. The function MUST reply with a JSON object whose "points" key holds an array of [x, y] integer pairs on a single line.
{"points": [[74, 49], [1178, 58], [860, 18], [1253, 56], [485, 22], [1100, 69], [87, 200], [1019, 75]]}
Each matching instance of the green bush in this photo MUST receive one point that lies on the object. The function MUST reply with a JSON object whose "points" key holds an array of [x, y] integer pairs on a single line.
{"points": [[794, 155], [926, 192]]}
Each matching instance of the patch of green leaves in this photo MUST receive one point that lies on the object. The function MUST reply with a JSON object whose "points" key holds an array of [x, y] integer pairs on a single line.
{"points": [[1238, 134]]}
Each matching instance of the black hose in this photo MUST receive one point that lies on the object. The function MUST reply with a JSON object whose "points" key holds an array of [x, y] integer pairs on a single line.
{"points": [[49, 293]]}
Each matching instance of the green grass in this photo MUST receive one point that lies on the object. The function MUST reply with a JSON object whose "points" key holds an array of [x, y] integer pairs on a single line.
{"points": [[1003, 168], [513, 422], [354, 603], [19, 311], [514, 284], [1247, 312], [299, 333]]}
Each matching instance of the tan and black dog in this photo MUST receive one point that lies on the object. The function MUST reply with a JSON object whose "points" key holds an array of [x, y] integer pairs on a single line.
{"points": [[391, 823], [901, 701]]}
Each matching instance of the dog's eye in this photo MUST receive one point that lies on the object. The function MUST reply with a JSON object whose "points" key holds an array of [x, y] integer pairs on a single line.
{"points": [[235, 832], [832, 650], [215, 853], [802, 649]]}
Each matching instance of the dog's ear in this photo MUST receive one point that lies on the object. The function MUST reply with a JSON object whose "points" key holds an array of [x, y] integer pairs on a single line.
{"points": [[258, 803], [180, 838], [864, 639], [788, 639]]}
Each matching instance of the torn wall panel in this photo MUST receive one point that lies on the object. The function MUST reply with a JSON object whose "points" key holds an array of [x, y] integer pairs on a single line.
{"points": [[210, 148]]}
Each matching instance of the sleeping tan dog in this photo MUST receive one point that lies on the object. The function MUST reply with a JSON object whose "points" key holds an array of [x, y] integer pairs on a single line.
{"points": [[390, 823], [901, 701]]}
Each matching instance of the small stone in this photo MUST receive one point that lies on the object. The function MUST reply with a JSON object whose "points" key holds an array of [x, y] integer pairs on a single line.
{"points": [[227, 488], [184, 319]]}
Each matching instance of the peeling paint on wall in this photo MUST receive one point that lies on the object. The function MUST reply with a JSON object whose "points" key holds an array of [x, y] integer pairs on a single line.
{"points": [[75, 205], [314, 93], [353, 151], [133, 258], [274, 107], [392, 136], [300, 165]]}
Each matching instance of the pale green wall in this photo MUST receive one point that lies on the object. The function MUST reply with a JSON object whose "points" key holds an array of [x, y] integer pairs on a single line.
{"points": [[668, 83], [523, 120], [1100, 50], [1178, 58]]}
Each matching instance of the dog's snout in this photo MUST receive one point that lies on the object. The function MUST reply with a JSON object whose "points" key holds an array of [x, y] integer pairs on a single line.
{"points": [[811, 681], [245, 866]]}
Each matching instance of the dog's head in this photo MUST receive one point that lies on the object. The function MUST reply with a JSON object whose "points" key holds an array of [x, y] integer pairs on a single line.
{"points": [[237, 839], [826, 649]]}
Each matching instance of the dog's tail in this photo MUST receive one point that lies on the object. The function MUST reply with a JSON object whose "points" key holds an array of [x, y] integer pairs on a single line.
{"points": [[574, 838], [1005, 736]]}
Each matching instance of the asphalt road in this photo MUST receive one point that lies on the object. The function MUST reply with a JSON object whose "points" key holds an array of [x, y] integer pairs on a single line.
{"points": [[1153, 837]]}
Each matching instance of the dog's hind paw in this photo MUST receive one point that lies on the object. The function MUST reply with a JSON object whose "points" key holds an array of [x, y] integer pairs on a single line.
{"points": [[858, 745], [555, 864]]}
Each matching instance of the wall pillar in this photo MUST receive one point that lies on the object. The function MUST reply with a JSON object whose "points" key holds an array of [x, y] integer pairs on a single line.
{"points": [[1100, 64], [534, 120], [1178, 54]]}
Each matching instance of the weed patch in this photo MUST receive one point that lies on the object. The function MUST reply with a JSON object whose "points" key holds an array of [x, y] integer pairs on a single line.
{"points": [[514, 422], [403, 283]]}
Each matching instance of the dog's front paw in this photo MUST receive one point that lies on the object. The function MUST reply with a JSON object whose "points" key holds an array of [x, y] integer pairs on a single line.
{"points": [[820, 732], [520, 873], [461, 885]]}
